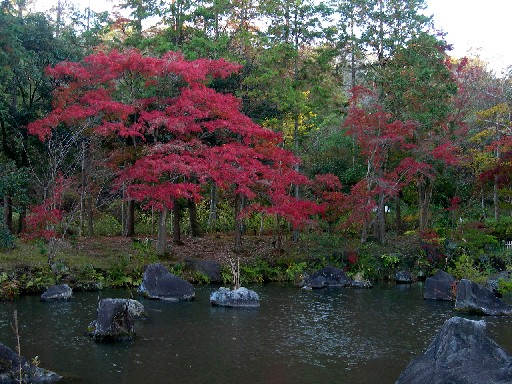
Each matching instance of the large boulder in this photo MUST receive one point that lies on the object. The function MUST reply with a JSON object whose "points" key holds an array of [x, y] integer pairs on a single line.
{"points": [[461, 352], [327, 277], [237, 298], [474, 298], [61, 292], [210, 268], [441, 286], [10, 369], [159, 283], [114, 321]]}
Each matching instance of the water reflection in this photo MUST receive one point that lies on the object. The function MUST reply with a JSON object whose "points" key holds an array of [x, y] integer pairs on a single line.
{"points": [[296, 336]]}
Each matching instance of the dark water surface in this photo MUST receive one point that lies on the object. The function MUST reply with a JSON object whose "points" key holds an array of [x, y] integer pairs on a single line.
{"points": [[296, 336]]}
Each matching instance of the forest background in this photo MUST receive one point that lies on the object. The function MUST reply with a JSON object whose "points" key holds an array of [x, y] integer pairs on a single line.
{"points": [[292, 134]]}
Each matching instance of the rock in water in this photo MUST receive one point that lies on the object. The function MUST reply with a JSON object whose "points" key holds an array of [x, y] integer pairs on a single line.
{"points": [[159, 283], [327, 277], [404, 277], [474, 298], [10, 369], [238, 298], [114, 321], [461, 352], [61, 292], [440, 286]]}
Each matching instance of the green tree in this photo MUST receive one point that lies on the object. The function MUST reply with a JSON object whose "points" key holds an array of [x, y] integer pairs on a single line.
{"points": [[419, 85], [388, 25]]}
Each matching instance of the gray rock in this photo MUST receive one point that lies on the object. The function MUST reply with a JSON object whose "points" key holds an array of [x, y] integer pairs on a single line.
{"points": [[114, 321], [10, 369], [474, 298], [210, 268], [441, 286], [327, 277], [239, 298], [361, 284], [61, 292], [135, 309], [159, 283], [404, 277], [461, 352]]}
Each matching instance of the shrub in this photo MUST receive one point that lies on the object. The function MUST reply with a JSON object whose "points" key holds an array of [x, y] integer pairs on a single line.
{"points": [[464, 267], [107, 225]]}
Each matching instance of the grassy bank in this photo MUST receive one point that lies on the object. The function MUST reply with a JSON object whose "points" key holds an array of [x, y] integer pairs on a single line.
{"points": [[96, 262]]}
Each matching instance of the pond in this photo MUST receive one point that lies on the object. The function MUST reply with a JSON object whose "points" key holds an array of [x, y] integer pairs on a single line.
{"points": [[296, 336]]}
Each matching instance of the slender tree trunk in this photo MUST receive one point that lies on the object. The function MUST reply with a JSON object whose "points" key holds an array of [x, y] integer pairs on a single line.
{"points": [[398, 218], [59, 18], [352, 53], [238, 223], [364, 233], [83, 189], [212, 217], [424, 196], [161, 245], [90, 215], [176, 218], [195, 230], [279, 240], [123, 210], [130, 218], [496, 198], [381, 219], [295, 233], [8, 213], [482, 203], [21, 220]]}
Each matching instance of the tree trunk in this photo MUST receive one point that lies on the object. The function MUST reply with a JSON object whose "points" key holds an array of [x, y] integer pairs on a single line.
{"points": [[364, 233], [424, 196], [352, 53], [212, 217], [279, 239], [238, 223], [90, 215], [381, 219], [21, 220], [195, 230], [497, 213], [161, 245], [482, 203], [8, 213], [130, 219], [176, 227], [398, 218]]}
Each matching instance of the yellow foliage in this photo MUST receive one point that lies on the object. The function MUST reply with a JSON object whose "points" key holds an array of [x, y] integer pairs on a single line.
{"points": [[482, 135], [493, 112]]}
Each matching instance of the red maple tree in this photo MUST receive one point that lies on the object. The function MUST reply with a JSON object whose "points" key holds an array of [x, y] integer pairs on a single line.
{"points": [[187, 134]]}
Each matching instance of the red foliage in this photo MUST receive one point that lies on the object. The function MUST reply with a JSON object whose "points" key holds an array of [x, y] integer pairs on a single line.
{"points": [[42, 220], [448, 153], [352, 257], [454, 203], [190, 134], [327, 189]]}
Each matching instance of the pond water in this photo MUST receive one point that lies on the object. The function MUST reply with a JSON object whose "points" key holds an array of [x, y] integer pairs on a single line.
{"points": [[296, 336]]}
